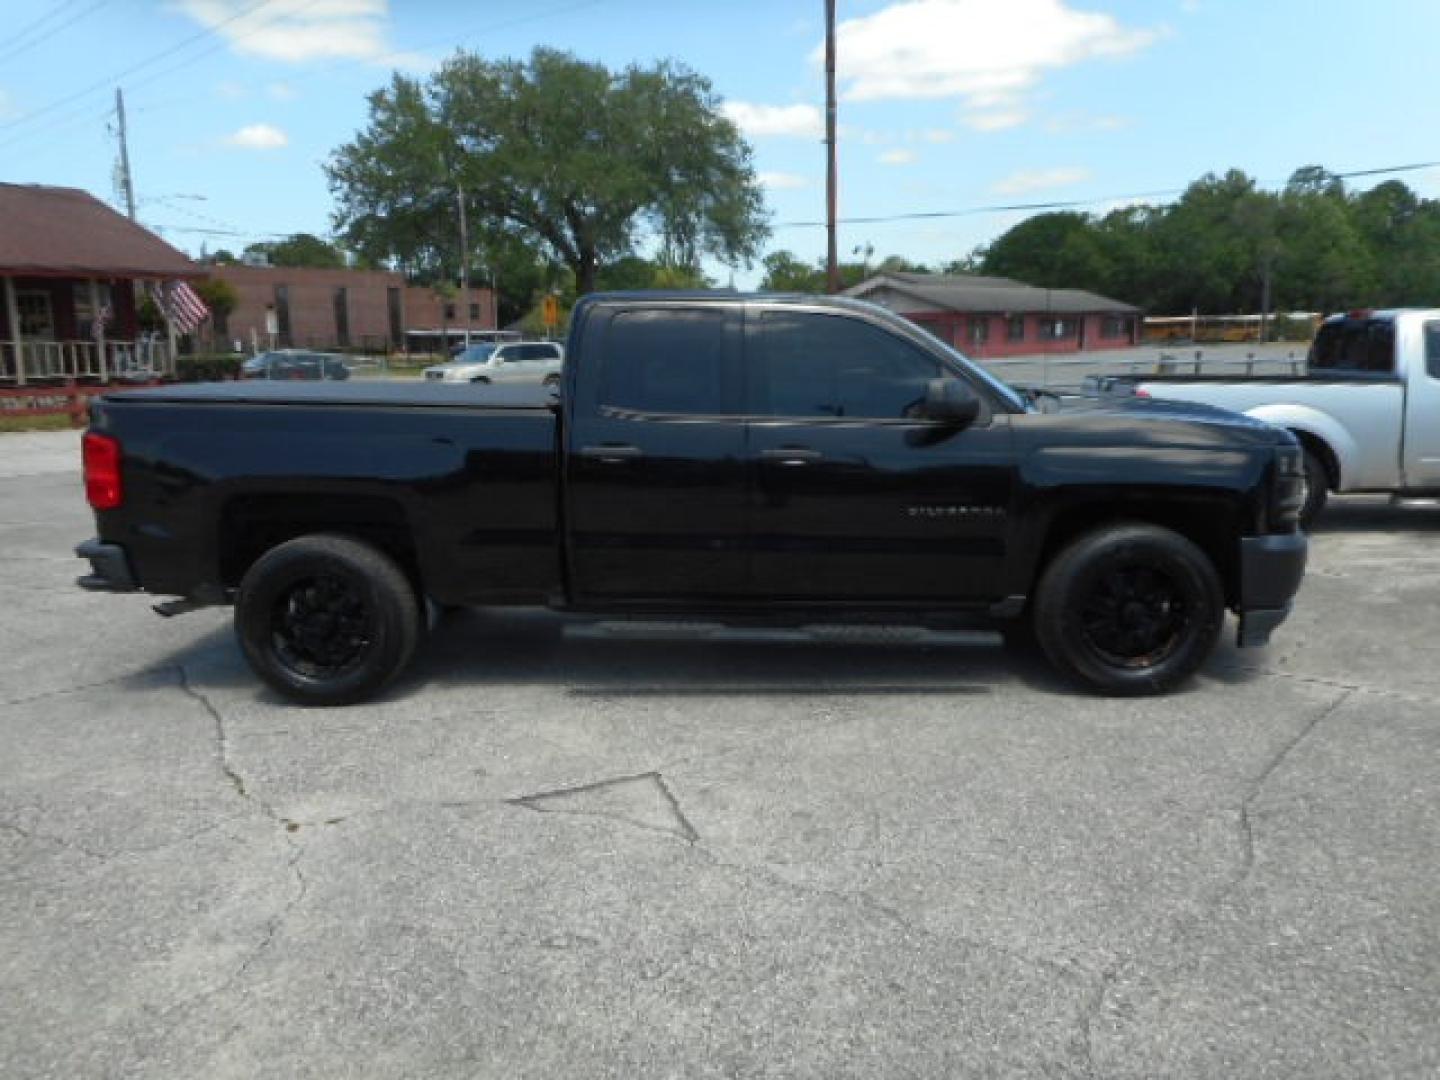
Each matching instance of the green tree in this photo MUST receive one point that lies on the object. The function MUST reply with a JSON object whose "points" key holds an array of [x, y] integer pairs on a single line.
{"points": [[568, 153], [301, 249], [1057, 250]]}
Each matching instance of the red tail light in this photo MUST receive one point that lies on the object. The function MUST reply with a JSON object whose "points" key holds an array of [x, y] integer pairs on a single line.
{"points": [[101, 454]]}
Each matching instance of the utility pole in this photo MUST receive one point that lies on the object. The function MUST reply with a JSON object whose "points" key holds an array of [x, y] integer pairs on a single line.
{"points": [[127, 183], [832, 265], [464, 259]]}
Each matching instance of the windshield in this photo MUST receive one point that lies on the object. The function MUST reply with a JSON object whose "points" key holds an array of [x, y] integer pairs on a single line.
{"points": [[475, 354], [1002, 389]]}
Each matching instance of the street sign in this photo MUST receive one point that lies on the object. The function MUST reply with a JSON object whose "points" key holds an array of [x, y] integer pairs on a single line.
{"points": [[550, 311]]}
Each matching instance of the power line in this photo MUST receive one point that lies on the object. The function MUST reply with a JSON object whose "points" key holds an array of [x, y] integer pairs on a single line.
{"points": [[19, 46], [35, 24], [1068, 204], [110, 80]]}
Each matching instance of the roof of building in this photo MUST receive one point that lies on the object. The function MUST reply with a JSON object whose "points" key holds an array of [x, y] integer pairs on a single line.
{"points": [[993, 295], [65, 231]]}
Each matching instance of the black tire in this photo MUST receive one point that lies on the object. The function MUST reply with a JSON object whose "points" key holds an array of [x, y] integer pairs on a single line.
{"points": [[327, 620], [550, 380], [1129, 609], [483, 380], [1317, 489]]}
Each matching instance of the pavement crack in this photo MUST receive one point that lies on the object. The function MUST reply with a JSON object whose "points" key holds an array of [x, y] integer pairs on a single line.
{"points": [[1089, 1014], [884, 912], [642, 800], [53, 840], [222, 741], [1257, 785]]}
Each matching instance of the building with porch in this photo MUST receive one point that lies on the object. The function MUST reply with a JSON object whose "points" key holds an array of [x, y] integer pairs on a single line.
{"points": [[995, 316], [69, 270]]}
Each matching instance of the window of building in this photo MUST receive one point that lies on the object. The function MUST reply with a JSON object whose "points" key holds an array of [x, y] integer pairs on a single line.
{"points": [[1115, 326], [474, 311], [282, 314], [342, 316], [1015, 328], [810, 364], [449, 312], [664, 362], [1052, 329], [979, 330]]}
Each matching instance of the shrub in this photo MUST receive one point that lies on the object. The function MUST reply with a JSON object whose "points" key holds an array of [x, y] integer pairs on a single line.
{"points": [[208, 367]]}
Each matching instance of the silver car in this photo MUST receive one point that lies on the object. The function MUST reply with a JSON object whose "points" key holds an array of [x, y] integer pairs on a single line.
{"points": [[503, 362]]}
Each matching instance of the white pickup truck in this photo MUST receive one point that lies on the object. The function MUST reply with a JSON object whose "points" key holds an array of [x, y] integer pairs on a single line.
{"points": [[1367, 411]]}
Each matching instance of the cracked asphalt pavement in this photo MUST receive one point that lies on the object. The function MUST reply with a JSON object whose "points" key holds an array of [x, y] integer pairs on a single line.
{"points": [[552, 851]]}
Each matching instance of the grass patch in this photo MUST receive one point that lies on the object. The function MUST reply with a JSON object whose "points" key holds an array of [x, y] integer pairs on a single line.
{"points": [[19, 421]]}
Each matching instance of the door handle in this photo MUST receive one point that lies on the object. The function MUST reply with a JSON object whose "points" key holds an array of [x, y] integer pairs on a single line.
{"points": [[791, 455], [612, 455]]}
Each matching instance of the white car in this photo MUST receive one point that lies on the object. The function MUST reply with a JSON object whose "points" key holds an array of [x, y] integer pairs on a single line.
{"points": [[503, 362]]}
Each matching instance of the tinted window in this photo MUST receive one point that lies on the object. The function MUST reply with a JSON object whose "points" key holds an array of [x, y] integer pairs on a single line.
{"points": [[664, 362], [827, 365], [1354, 345], [1432, 349], [476, 354]]}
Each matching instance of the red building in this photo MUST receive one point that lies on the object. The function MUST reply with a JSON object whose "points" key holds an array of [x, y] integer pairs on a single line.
{"points": [[282, 307], [69, 270], [993, 316]]}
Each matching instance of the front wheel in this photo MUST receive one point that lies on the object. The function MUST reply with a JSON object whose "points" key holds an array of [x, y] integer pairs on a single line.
{"points": [[1129, 609], [1317, 489], [327, 620], [481, 379]]}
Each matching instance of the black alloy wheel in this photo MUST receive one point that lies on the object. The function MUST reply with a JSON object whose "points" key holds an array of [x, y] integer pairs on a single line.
{"points": [[327, 620], [1129, 609]]}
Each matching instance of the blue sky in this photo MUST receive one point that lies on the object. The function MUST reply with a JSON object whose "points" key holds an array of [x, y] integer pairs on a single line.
{"points": [[946, 104]]}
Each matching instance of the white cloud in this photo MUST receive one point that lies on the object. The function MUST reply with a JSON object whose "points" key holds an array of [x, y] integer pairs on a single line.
{"points": [[778, 181], [989, 53], [280, 91], [258, 137], [1077, 123], [298, 30], [995, 119], [937, 135], [897, 157], [1040, 180], [758, 121]]}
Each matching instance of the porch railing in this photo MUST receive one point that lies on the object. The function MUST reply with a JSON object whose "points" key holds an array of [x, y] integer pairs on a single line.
{"points": [[23, 362]]}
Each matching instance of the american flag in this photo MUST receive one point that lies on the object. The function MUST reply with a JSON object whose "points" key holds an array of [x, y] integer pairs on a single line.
{"points": [[182, 306], [101, 321]]}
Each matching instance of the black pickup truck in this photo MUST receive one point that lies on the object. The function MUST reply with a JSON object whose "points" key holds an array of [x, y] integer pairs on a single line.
{"points": [[715, 455]]}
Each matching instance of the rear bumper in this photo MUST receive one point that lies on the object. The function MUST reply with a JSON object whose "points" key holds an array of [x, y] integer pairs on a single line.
{"points": [[109, 568], [1271, 569]]}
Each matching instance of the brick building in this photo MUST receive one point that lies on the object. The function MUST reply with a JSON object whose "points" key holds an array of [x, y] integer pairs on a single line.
{"points": [[362, 309], [993, 316]]}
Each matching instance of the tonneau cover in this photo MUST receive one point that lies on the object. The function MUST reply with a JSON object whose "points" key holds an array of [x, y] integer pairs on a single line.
{"points": [[381, 393]]}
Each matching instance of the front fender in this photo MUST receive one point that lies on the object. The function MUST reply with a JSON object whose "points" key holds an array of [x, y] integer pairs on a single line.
{"points": [[1304, 420]]}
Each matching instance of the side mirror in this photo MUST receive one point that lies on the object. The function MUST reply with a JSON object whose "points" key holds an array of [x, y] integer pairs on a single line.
{"points": [[951, 401]]}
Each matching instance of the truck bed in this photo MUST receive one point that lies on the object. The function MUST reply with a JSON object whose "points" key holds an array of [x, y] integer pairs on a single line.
{"points": [[397, 393]]}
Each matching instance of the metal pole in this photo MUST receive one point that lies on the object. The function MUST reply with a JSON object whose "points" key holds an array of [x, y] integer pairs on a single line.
{"points": [[832, 265], [464, 260], [127, 184]]}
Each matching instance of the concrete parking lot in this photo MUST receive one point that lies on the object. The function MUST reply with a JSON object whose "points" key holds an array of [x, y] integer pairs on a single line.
{"points": [[554, 852]]}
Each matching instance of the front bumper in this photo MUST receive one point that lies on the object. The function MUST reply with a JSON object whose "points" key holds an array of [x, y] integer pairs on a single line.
{"points": [[109, 568], [1271, 569]]}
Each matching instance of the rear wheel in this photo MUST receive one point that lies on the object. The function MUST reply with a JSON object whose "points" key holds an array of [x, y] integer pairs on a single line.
{"points": [[327, 620], [1317, 489], [1129, 609], [550, 380], [483, 380]]}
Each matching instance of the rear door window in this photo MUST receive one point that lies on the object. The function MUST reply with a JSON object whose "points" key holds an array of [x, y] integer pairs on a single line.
{"points": [[1355, 346], [1432, 349], [665, 361]]}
